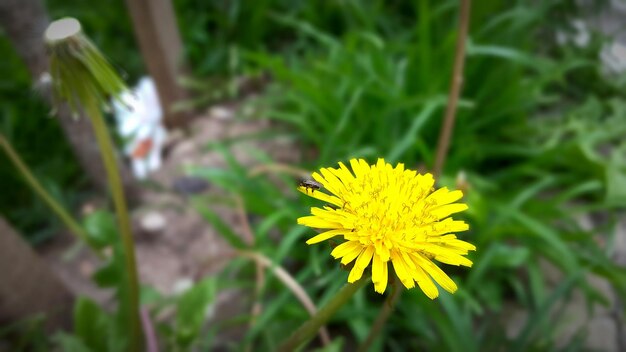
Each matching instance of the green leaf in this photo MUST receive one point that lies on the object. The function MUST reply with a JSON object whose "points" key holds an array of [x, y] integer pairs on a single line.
{"points": [[557, 248], [615, 185], [459, 322], [192, 309], [511, 257], [540, 316], [506, 53], [109, 275], [270, 222], [92, 325], [336, 345], [413, 132], [308, 29], [101, 228], [294, 235], [70, 343]]}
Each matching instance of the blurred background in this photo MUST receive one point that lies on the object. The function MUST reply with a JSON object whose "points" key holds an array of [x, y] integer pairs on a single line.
{"points": [[246, 97]]}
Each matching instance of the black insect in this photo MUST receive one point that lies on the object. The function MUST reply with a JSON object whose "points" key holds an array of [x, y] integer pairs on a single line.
{"points": [[310, 185]]}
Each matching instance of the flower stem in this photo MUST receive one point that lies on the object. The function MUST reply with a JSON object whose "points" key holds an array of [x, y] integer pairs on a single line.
{"points": [[383, 315], [57, 208], [311, 326], [455, 88], [117, 191]]}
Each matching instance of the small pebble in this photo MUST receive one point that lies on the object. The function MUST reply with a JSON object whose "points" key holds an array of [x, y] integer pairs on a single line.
{"points": [[153, 222], [188, 185]]}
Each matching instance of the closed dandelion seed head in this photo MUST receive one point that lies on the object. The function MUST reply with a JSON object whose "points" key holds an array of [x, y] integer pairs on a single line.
{"points": [[80, 75], [389, 216]]}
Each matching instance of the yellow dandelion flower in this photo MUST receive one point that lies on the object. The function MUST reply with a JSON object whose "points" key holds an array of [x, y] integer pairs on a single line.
{"points": [[388, 214]]}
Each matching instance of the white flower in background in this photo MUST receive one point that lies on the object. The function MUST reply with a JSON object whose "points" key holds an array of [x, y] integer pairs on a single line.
{"points": [[139, 123], [613, 57], [580, 36]]}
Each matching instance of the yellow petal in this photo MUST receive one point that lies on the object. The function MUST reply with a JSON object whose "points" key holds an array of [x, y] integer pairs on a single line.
{"points": [[364, 166], [364, 258], [333, 184], [436, 273], [361, 263], [410, 266], [356, 168], [425, 181], [344, 174], [443, 196], [379, 274], [425, 283], [346, 250], [454, 259], [329, 214], [355, 274], [317, 222], [448, 225], [445, 210], [382, 251], [319, 178], [400, 267], [441, 249], [325, 235], [461, 245], [322, 196], [380, 164]]}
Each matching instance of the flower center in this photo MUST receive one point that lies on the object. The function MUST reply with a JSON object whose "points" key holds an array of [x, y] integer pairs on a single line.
{"points": [[389, 212]]}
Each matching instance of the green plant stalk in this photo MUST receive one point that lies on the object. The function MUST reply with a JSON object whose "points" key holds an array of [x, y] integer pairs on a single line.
{"points": [[311, 326], [383, 315], [32, 181], [121, 210]]}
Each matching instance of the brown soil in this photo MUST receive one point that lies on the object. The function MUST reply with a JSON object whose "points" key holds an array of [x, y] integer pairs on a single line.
{"points": [[175, 246]]}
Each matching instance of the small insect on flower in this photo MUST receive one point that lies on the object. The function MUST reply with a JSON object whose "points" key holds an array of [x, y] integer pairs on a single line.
{"points": [[310, 185]]}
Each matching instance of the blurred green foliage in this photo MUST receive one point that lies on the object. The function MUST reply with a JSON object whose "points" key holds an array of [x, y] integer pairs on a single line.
{"points": [[538, 136], [25, 121]]}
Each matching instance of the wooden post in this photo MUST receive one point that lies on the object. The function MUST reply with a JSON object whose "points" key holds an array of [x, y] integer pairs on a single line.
{"points": [[157, 33], [29, 286]]}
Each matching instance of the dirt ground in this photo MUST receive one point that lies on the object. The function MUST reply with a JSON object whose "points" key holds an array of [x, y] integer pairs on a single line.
{"points": [[175, 246]]}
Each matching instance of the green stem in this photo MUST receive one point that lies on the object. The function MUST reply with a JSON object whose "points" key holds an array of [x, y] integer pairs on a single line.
{"points": [[383, 315], [115, 182], [57, 208], [311, 326]]}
